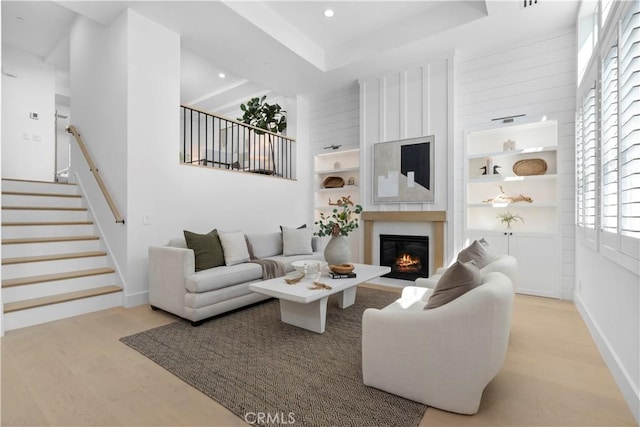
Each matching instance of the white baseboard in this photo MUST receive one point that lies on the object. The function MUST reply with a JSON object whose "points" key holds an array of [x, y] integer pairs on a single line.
{"points": [[135, 299], [622, 378]]}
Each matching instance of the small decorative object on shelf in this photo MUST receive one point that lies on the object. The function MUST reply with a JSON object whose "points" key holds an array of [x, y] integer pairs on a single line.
{"points": [[509, 145], [351, 181], [495, 169], [344, 200], [528, 167], [503, 199], [507, 218], [486, 170], [333, 182]]}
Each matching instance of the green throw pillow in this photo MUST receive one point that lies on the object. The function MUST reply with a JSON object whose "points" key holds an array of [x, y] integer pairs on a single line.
{"points": [[207, 249]]}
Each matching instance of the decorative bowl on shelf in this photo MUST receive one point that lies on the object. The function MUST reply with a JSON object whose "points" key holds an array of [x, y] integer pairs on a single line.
{"points": [[342, 268], [528, 167], [333, 182], [309, 266]]}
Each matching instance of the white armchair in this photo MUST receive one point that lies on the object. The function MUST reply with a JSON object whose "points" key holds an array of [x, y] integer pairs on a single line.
{"points": [[442, 357]]}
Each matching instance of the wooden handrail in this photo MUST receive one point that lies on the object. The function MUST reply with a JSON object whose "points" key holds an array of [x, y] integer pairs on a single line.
{"points": [[96, 174]]}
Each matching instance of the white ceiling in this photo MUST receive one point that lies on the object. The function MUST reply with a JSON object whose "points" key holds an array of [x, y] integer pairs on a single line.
{"points": [[289, 47]]}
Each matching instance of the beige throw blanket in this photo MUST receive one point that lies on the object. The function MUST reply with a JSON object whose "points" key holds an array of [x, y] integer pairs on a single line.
{"points": [[270, 268]]}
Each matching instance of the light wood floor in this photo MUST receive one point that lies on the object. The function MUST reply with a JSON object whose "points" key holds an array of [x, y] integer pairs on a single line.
{"points": [[76, 372]]}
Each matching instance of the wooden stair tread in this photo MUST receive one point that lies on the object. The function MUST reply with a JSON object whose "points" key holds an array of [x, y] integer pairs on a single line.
{"points": [[42, 208], [26, 193], [7, 283], [35, 223], [39, 182], [55, 299], [56, 257], [48, 239]]}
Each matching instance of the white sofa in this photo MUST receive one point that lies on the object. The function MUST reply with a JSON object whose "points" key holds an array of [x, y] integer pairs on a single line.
{"points": [[506, 264], [175, 286], [442, 357]]}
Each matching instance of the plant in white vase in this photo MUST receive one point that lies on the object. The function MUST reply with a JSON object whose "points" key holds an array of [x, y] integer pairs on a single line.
{"points": [[508, 218], [342, 221]]}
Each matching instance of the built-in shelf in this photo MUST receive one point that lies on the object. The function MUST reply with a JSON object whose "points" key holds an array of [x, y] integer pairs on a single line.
{"points": [[348, 188], [533, 238], [338, 170]]}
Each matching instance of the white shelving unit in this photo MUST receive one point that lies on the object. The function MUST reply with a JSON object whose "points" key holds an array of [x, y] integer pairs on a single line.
{"points": [[533, 242], [344, 164]]}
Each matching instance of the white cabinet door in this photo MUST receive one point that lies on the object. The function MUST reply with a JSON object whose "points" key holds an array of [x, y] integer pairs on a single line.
{"points": [[538, 259], [538, 264]]}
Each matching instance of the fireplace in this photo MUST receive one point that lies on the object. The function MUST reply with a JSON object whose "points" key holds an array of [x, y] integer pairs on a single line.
{"points": [[408, 256]]}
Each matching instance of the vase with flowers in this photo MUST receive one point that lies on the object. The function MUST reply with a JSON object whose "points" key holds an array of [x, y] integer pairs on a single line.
{"points": [[342, 221], [507, 218]]}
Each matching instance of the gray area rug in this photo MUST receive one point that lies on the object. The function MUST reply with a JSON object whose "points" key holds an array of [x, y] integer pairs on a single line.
{"points": [[252, 363]]}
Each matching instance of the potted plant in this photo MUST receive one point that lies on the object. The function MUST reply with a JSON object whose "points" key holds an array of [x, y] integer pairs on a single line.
{"points": [[270, 117], [338, 225], [507, 218]]}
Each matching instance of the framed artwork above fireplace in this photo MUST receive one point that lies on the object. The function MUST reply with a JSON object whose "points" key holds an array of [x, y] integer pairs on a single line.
{"points": [[403, 171]]}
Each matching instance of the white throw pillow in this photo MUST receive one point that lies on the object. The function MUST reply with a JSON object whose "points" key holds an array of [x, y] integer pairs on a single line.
{"points": [[265, 244], [296, 241], [234, 246]]}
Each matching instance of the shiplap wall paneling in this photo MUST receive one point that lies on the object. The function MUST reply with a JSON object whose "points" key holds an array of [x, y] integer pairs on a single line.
{"points": [[335, 119]]}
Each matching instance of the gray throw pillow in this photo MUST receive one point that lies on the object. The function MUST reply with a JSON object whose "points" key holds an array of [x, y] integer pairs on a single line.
{"points": [[296, 241], [206, 248], [477, 253], [459, 279]]}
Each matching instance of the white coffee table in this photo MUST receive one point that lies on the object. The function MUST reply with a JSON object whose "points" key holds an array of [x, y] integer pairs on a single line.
{"points": [[307, 308]]}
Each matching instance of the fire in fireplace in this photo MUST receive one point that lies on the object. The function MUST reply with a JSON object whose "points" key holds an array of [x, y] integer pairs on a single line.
{"points": [[408, 256]]}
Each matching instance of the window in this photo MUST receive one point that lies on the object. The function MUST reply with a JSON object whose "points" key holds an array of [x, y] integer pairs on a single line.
{"points": [[609, 150], [589, 147], [608, 143], [629, 76]]}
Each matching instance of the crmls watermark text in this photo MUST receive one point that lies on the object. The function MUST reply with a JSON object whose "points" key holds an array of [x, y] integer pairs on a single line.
{"points": [[269, 418]]}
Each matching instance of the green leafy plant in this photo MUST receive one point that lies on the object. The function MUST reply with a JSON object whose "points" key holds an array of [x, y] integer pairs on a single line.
{"points": [[508, 218], [342, 221], [259, 113]]}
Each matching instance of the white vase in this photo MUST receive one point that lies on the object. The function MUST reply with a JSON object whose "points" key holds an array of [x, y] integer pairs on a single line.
{"points": [[337, 251]]}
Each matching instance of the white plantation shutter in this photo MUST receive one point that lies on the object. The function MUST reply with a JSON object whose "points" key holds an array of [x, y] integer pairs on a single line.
{"points": [[579, 170], [609, 142], [589, 166], [629, 119]]}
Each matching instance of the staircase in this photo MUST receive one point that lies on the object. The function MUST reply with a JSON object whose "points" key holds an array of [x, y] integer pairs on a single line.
{"points": [[53, 262]]}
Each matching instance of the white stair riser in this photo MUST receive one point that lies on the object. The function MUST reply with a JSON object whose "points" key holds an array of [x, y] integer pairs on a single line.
{"points": [[41, 201], [11, 215], [45, 289], [38, 187], [26, 231], [48, 313], [14, 271], [36, 249]]}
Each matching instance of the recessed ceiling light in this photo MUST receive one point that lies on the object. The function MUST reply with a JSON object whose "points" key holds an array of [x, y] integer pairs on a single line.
{"points": [[222, 75], [328, 13]]}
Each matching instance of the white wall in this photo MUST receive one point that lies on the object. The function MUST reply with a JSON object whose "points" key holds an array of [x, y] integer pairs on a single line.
{"points": [[608, 297], [98, 64], [28, 146], [125, 102], [536, 79]]}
